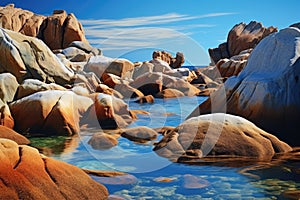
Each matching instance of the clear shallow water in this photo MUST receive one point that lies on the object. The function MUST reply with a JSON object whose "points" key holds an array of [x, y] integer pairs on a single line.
{"points": [[153, 177]]}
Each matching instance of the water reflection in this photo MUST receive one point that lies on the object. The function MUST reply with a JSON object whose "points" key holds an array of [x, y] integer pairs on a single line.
{"points": [[55, 145]]}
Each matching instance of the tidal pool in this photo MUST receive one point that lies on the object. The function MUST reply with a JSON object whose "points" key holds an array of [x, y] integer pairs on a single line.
{"points": [[153, 177]]}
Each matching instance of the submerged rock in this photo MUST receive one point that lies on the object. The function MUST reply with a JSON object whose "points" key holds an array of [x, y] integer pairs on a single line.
{"points": [[139, 134], [26, 174], [102, 141], [217, 136], [267, 91], [194, 182]]}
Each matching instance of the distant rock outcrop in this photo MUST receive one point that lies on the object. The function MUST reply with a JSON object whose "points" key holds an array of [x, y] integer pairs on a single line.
{"points": [[156, 82], [26, 174], [267, 91], [241, 37], [174, 62], [58, 31]]}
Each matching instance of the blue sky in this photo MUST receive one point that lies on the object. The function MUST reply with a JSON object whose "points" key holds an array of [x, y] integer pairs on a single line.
{"points": [[133, 29]]}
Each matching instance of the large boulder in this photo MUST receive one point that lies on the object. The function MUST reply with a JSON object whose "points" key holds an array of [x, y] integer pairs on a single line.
{"points": [[31, 86], [160, 65], [26, 174], [10, 134], [267, 91], [241, 37], [142, 69], [51, 112], [101, 64], [234, 65], [8, 87], [153, 83], [57, 31], [52, 29], [28, 57], [73, 31], [88, 79], [108, 112], [245, 36], [127, 91], [218, 136]]}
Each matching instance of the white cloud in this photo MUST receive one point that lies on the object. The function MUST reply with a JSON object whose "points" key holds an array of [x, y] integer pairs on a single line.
{"points": [[159, 31]]}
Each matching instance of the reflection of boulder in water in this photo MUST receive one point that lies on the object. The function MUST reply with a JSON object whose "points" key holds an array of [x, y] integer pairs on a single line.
{"points": [[279, 177], [55, 145], [285, 166]]}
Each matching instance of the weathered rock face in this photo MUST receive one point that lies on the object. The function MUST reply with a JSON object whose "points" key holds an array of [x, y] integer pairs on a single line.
{"points": [[10, 134], [51, 113], [31, 86], [175, 62], [28, 57], [267, 91], [14, 18], [127, 91], [8, 87], [241, 37], [140, 70], [88, 80], [73, 31], [52, 29], [108, 112], [26, 174], [218, 135], [245, 36], [234, 65], [57, 31], [160, 65]]}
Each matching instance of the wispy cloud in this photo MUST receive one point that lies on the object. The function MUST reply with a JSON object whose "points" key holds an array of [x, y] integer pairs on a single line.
{"points": [[144, 32]]}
